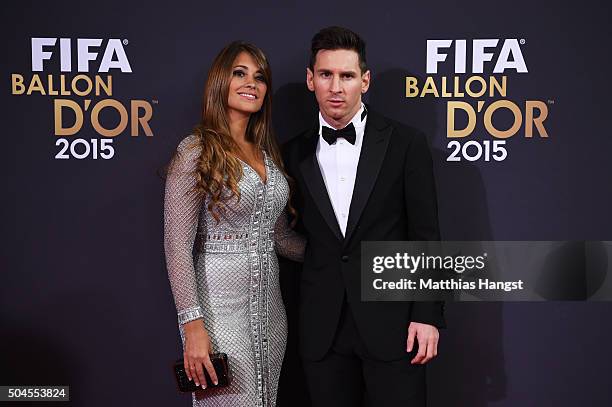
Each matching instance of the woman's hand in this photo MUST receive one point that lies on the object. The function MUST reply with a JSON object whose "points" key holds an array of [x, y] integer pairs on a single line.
{"points": [[197, 353]]}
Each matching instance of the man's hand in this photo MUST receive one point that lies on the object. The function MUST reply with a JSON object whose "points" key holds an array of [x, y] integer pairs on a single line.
{"points": [[427, 336]]}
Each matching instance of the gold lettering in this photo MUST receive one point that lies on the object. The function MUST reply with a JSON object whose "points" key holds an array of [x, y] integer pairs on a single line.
{"points": [[412, 90], [539, 121], [144, 120], [52, 92], [95, 120], [468, 86], [108, 86], [488, 122], [451, 132], [18, 86], [36, 85], [58, 105], [494, 84], [76, 89]]}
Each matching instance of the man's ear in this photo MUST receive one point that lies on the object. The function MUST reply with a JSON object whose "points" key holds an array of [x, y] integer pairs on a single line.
{"points": [[365, 81], [309, 79]]}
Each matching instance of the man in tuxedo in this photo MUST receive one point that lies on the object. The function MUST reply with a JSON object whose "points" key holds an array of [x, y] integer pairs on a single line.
{"points": [[359, 177]]}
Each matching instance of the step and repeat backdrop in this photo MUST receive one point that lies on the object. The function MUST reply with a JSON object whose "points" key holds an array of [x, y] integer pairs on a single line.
{"points": [[513, 97]]}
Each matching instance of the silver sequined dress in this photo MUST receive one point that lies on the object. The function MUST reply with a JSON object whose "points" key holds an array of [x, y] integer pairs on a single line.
{"points": [[227, 273]]}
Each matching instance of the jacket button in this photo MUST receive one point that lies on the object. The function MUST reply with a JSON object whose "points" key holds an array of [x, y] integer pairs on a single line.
{"points": [[344, 258]]}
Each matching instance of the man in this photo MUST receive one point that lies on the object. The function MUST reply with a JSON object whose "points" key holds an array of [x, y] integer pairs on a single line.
{"points": [[360, 177]]}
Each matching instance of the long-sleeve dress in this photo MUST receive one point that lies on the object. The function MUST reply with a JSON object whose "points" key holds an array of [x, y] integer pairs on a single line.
{"points": [[227, 273]]}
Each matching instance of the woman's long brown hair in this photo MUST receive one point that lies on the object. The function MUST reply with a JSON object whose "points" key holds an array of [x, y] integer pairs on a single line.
{"points": [[218, 169]]}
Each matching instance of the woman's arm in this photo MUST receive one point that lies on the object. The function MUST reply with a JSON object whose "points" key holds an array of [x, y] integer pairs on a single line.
{"points": [[181, 210], [288, 242], [182, 205]]}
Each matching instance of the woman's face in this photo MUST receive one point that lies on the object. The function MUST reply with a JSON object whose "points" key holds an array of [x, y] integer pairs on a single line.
{"points": [[247, 87]]}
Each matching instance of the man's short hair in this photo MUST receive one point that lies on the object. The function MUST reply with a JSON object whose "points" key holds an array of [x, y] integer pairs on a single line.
{"points": [[332, 38]]}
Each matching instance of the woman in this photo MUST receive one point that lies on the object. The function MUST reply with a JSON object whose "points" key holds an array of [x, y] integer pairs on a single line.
{"points": [[226, 199]]}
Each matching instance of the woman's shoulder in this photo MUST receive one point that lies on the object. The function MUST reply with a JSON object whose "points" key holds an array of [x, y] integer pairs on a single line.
{"points": [[190, 142], [190, 147], [187, 153]]}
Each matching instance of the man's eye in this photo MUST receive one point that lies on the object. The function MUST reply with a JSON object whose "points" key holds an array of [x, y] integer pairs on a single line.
{"points": [[239, 73], [348, 76], [325, 74]]}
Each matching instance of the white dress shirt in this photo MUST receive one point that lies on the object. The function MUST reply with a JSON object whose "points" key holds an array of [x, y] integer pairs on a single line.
{"points": [[338, 164]]}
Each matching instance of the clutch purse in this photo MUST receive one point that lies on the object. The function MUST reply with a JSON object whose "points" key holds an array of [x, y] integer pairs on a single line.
{"points": [[219, 362]]}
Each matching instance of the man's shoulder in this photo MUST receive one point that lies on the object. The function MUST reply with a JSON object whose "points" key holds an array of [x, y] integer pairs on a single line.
{"points": [[401, 132], [297, 142]]}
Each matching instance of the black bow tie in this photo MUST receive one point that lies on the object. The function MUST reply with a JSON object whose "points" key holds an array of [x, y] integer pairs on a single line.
{"points": [[348, 133]]}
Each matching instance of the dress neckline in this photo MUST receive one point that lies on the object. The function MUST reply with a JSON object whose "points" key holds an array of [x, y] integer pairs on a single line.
{"points": [[245, 164]]}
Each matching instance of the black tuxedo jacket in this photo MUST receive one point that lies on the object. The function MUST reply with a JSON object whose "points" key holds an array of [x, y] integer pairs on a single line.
{"points": [[394, 198]]}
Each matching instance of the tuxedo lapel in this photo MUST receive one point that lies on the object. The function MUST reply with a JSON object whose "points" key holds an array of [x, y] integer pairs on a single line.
{"points": [[309, 166], [375, 142]]}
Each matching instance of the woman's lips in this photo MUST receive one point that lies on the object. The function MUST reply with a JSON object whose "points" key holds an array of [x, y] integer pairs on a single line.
{"points": [[247, 96]]}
